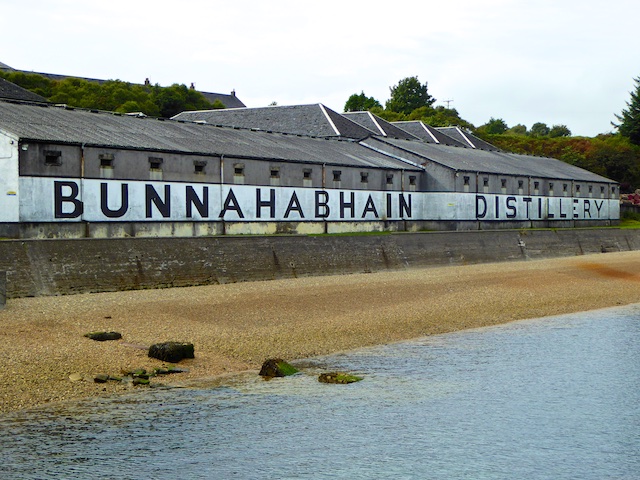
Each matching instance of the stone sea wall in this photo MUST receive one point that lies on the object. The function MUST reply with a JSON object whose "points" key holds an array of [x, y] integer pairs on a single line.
{"points": [[68, 266]]}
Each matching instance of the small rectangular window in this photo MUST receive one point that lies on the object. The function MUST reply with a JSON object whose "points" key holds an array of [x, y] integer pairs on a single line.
{"points": [[536, 185], [337, 174], [155, 163], [520, 183], [466, 181], [274, 176], [389, 178], [503, 182], [485, 182], [238, 173], [199, 166], [306, 178], [564, 187], [106, 160], [364, 177], [52, 158], [412, 180]]}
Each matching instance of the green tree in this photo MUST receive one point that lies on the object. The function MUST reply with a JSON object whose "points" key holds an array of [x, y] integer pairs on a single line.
{"points": [[539, 129], [517, 130], [630, 118], [559, 131], [361, 103], [495, 126], [408, 95]]}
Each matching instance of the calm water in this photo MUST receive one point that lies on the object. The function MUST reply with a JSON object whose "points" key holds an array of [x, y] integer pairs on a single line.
{"points": [[553, 398]]}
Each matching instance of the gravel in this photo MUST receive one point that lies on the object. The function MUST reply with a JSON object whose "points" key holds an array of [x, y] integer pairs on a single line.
{"points": [[235, 327]]}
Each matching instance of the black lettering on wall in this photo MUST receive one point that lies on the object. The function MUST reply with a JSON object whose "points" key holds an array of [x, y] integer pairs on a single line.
{"points": [[527, 201], [124, 201], [497, 206], [344, 205], [370, 207], [322, 204], [294, 206], [59, 199], [512, 211], [194, 201], [231, 204], [587, 209], [405, 206], [152, 197], [481, 206], [575, 207], [271, 203], [598, 206], [389, 205]]}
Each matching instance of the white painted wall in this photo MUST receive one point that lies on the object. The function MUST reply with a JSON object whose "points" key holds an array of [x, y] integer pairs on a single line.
{"points": [[9, 184]]}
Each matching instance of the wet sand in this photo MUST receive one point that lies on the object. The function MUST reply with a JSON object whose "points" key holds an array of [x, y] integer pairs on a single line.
{"points": [[236, 327]]}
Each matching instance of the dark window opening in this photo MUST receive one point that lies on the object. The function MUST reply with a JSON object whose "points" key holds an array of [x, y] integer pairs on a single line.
{"points": [[198, 166], [364, 177], [503, 182], [275, 173], [466, 180], [238, 169], [336, 175], [389, 178], [52, 158], [412, 180], [536, 185], [155, 163], [306, 174], [564, 187]]}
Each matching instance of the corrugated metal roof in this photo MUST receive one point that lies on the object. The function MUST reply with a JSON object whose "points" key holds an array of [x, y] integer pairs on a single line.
{"points": [[314, 120], [428, 134], [467, 138], [83, 127], [484, 161], [11, 91], [379, 125]]}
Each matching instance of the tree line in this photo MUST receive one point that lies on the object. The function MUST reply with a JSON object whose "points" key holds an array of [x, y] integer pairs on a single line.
{"points": [[615, 156], [114, 95]]}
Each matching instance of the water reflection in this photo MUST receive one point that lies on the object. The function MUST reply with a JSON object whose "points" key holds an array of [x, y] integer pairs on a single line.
{"points": [[549, 398]]}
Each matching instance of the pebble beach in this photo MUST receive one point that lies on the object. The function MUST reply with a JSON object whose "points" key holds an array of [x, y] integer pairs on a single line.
{"points": [[235, 327]]}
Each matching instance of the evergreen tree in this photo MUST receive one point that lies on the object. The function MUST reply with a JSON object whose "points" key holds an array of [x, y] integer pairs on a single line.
{"points": [[630, 119]]}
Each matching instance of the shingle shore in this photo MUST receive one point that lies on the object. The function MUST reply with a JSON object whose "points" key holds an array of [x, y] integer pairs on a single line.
{"points": [[235, 327]]}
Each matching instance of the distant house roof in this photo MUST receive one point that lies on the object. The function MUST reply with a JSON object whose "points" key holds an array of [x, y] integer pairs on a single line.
{"points": [[379, 125], [485, 161], [11, 91], [229, 101], [314, 120], [467, 138], [428, 134], [54, 124]]}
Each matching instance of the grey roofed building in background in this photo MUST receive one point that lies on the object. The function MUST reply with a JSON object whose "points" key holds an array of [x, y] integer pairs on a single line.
{"points": [[49, 123], [313, 120], [467, 138], [487, 161], [428, 134], [379, 125], [11, 91], [228, 100]]}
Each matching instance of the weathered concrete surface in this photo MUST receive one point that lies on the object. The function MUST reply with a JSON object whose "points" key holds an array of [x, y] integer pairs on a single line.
{"points": [[67, 266], [3, 289]]}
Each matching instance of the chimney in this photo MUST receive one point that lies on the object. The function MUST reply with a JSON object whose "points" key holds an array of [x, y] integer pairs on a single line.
{"points": [[233, 92], [193, 86], [147, 82]]}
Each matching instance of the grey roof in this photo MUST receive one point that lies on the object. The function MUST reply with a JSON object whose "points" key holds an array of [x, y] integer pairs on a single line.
{"points": [[378, 125], [314, 119], [467, 138], [484, 161], [428, 134], [12, 91], [46, 123], [229, 101]]}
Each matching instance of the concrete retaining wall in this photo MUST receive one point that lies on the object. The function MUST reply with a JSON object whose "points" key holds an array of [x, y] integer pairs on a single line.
{"points": [[53, 267]]}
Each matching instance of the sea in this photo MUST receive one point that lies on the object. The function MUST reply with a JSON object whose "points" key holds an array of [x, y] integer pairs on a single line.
{"points": [[548, 398]]}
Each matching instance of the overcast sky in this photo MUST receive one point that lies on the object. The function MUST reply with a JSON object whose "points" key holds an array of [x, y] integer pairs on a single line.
{"points": [[552, 61]]}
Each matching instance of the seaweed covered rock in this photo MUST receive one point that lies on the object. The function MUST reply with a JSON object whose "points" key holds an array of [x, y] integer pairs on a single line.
{"points": [[276, 367], [338, 377], [103, 336], [171, 352]]}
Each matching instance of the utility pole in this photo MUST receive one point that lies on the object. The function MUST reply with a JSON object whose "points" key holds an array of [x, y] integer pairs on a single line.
{"points": [[448, 102]]}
